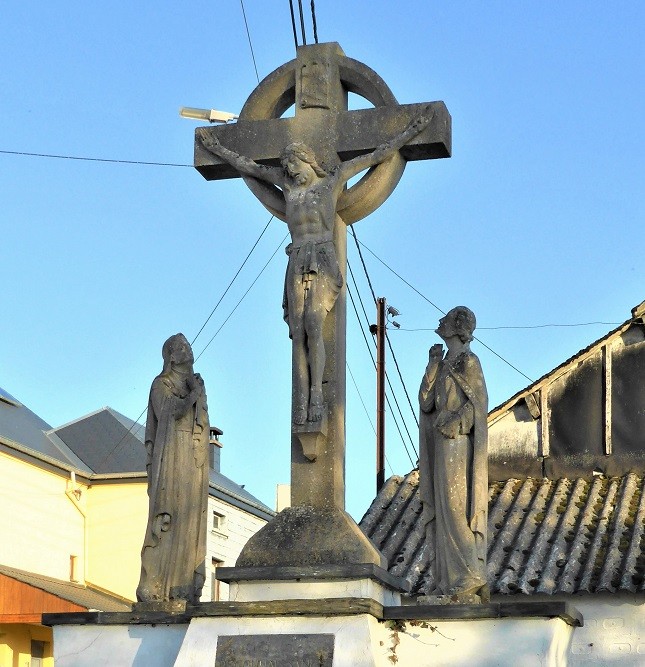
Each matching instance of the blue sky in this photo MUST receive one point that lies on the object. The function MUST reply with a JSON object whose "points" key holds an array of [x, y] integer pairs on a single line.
{"points": [[536, 219]]}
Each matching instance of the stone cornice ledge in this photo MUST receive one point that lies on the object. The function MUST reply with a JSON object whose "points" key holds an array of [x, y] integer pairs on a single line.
{"points": [[313, 573], [517, 610]]}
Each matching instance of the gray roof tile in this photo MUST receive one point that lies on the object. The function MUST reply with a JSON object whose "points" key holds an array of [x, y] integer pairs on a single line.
{"points": [[545, 536]]}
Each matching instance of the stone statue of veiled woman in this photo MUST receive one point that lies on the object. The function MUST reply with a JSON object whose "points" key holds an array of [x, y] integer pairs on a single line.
{"points": [[177, 432]]}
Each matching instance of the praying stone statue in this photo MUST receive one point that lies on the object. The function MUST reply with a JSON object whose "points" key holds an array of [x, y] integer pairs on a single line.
{"points": [[314, 279], [177, 432], [453, 464]]}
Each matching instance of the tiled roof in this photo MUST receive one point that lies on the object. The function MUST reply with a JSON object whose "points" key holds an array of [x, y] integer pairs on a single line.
{"points": [[544, 536], [84, 596], [20, 426], [106, 441]]}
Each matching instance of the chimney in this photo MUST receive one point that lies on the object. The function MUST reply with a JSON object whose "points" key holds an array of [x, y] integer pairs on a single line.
{"points": [[215, 447]]}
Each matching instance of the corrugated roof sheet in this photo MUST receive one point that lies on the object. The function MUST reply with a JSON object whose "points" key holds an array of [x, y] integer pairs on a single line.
{"points": [[87, 597], [544, 536]]}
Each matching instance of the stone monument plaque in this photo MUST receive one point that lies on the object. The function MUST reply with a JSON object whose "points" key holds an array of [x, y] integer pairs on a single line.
{"points": [[275, 650]]}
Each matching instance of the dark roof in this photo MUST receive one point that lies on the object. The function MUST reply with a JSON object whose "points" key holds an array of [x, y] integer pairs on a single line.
{"points": [[85, 596], [227, 490], [638, 313], [20, 426], [106, 441], [544, 536]]}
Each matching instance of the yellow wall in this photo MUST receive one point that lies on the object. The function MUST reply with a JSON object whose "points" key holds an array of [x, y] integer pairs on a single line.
{"points": [[40, 524], [15, 644], [117, 513]]}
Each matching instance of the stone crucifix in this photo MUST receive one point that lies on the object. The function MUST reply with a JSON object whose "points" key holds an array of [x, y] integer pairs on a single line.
{"points": [[298, 167]]}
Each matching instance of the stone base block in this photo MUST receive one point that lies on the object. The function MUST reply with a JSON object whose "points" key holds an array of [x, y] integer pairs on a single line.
{"points": [[219, 634], [362, 581]]}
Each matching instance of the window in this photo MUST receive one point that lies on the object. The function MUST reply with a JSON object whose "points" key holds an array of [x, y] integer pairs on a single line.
{"points": [[37, 653], [215, 583], [73, 568], [219, 522]]}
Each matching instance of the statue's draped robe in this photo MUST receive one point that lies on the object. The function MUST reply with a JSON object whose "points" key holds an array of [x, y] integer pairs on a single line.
{"points": [[174, 549], [453, 474]]}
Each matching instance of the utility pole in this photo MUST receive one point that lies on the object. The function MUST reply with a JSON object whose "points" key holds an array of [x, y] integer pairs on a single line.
{"points": [[380, 393]]}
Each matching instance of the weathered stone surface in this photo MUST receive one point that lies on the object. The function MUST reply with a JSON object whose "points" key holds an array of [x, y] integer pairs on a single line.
{"points": [[161, 606], [177, 432], [453, 467], [233, 650], [298, 167], [306, 535]]}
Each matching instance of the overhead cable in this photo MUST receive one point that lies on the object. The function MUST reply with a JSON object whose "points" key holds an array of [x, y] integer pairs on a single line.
{"points": [[293, 24], [118, 444], [479, 340], [396, 363], [367, 414], [237, 273], [387, 399], [313, 20], [248, 34], [302, 23], [242, 297], [96, 159]]}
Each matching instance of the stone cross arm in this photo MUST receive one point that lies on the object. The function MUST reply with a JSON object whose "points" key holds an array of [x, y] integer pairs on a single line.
{"points": [[351, 133]]}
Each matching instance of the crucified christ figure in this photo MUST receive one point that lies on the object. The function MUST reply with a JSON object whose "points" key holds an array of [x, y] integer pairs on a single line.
{"points": [[313, 279]]}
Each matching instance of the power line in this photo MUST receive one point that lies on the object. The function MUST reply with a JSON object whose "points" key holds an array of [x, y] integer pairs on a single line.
{"points": [[313, 20], [423, 296], [118, 444], [302, 23], [242, 297], [293, 24], [389, 404], [96, 159], [479, 340], [405, 390], [532, 326], [367, 414], [237, 273], [248, 34]]}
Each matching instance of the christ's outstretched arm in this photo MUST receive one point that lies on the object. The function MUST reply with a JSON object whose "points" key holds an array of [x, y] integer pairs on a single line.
{"points": [[387, 149], [243, 164]]}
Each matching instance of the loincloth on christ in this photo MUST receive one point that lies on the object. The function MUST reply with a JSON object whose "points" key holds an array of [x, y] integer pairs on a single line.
{"points": [[312, 271]]}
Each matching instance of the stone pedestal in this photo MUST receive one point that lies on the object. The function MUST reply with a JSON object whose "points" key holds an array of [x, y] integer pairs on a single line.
{"points": [[332, 632], [366, 582], [309, 536]]}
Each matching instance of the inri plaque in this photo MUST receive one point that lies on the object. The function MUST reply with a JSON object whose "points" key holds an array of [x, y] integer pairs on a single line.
{"points": [[274, 651]]}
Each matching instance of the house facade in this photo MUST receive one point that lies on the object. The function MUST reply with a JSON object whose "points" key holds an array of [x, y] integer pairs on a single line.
{"points": [[73, 515]]}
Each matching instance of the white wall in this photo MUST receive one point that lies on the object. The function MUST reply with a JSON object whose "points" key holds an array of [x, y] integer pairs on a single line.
{"points": [[613, 633], [226, 544]]}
